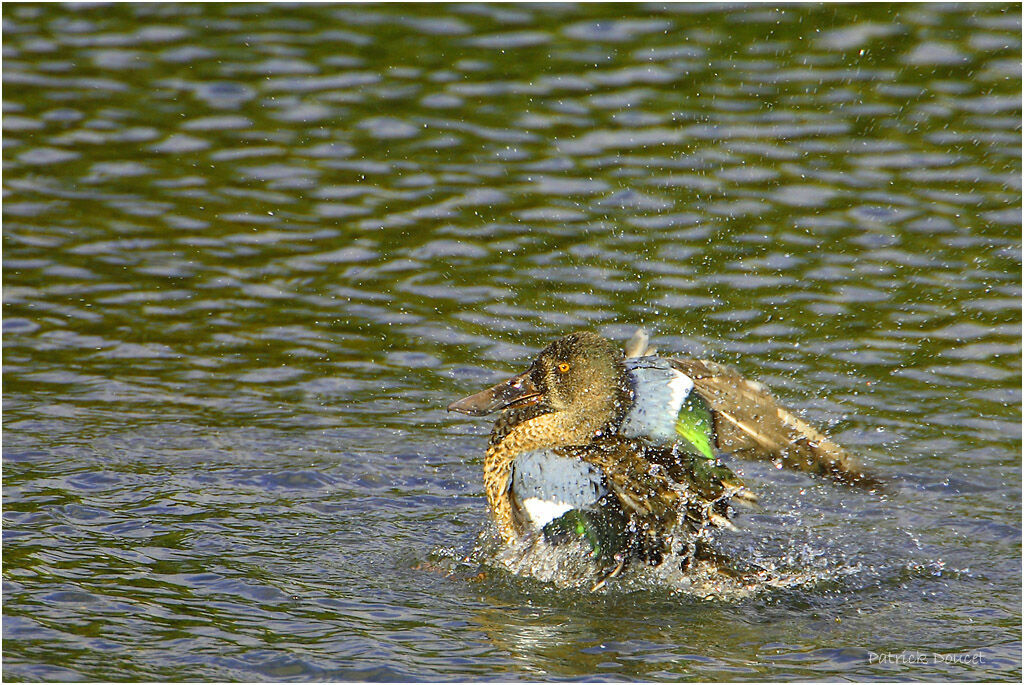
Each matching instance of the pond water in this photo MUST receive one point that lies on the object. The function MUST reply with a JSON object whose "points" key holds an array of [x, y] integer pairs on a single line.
{"points": [[251, 252]]}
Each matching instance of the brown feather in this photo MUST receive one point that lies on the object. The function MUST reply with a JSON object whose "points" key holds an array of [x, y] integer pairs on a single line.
{"points": [[751, 423], [648, 497], [655, 490]]}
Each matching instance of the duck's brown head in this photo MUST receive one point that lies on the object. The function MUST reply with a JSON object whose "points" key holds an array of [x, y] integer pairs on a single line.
{"points": [[579, 376]]}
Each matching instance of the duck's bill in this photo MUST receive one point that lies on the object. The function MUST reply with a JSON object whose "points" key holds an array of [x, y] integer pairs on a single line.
{"points": [[518, 391]]}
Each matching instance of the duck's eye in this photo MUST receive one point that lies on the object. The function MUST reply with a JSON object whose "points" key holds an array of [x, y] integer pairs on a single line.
{"points": [[563, 368]]}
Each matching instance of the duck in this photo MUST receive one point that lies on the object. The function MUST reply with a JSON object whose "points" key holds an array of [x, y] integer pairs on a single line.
{"points": [[626, 451]]}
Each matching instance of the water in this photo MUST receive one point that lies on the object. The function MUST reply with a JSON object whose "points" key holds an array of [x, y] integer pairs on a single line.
{"points": [[252, 252]]}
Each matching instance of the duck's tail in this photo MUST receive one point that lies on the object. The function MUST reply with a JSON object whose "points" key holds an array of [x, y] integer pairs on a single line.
{"points": [[638, 345]]}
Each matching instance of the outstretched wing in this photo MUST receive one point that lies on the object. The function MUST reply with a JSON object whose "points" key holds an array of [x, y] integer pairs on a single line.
{"points": [[642, 490], [669, 413], [748, 421], [657, 486]]}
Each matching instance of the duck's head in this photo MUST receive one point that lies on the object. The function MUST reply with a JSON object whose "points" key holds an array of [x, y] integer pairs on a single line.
{"points": [[580, 376]]}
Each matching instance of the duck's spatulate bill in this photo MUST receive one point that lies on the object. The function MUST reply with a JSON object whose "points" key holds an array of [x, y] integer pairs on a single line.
{"points": [[518, 391]]}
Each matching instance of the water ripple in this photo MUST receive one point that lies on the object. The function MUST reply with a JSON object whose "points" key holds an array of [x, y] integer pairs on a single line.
{"points": [[251, 253]]}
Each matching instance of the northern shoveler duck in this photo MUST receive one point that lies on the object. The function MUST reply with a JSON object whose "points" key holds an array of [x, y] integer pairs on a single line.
{"points": [[623, 450]]}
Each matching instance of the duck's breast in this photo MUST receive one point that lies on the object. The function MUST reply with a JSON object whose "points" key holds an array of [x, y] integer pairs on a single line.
{"points": [[547, 484]]}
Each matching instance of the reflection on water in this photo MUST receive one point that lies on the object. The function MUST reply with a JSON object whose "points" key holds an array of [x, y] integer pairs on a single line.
{"points": [[252, 252]]}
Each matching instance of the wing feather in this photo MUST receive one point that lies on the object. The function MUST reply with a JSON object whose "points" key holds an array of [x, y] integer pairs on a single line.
{"points": [[751, 423]]}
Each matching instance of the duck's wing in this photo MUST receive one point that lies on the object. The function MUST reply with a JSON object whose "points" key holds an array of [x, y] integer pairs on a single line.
{"points": [[679, 426], [642, 490], [604, 493], [749, 422], [658, 487]]}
